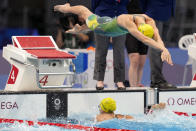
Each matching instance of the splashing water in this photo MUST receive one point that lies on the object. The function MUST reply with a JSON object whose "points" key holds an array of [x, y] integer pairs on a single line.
{"points": [[25, 127], [164, 120]]}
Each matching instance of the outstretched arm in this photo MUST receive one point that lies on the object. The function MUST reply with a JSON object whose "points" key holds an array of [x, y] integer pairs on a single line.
{"points": [[158, 106], [126, 22], [157, 37], [165, 55], [132, 28], [120, 116], [151, 22]]}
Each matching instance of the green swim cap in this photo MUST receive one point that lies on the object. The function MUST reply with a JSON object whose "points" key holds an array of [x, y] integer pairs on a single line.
{"points": [[108, 105], [146, 29]]}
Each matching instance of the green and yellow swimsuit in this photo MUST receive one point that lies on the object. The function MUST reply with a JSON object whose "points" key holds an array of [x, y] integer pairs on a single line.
{"points": [[105, 26]]}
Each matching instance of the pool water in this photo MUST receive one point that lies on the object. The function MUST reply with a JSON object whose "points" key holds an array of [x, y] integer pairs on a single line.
{"points": [[164, 120]]}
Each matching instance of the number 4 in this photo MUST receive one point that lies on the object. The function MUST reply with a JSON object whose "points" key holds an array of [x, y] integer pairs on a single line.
{"points": [[44, 80], [12, 76]]}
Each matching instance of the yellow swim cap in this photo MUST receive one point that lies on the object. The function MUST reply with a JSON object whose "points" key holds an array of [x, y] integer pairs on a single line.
{"points": [[91, 22], [146, 29], [108, 105]]}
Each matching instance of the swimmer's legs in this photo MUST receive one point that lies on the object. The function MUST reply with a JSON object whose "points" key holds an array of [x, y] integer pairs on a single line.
{"points": [[79, 10]]}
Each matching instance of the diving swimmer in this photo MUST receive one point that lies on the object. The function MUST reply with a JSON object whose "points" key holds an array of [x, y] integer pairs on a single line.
{"points": [[120, 25]]}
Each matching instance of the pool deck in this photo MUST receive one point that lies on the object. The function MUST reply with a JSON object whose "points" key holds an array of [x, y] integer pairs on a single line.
{"points": [[80, 90]]}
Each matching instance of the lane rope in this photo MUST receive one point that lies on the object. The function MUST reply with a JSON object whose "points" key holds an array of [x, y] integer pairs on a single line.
{"points": [[66, 126], [72, 126], [184, 113]]}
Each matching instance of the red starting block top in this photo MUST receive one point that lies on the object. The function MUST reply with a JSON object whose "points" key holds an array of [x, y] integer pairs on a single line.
{"points": [[34, 41], [40, 46], [50, 53]]}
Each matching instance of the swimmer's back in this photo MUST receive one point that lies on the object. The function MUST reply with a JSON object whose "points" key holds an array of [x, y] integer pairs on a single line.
{"points": [[107, 26]]}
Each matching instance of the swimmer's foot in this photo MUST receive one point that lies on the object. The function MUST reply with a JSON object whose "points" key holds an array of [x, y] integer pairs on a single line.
{"points": [[62, 8]]}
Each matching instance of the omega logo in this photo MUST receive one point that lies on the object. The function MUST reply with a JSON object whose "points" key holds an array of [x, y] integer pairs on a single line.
{"points": [[8, 105], [181, 101]]}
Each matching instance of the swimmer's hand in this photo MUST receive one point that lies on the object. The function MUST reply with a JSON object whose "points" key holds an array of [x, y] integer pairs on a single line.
{"points": [[78, 29], [62, 8], [158, 106], [165, 56]]}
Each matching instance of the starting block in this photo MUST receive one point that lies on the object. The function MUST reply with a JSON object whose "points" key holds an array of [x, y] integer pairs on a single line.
{"points": [[192, 54], [37, 63]]}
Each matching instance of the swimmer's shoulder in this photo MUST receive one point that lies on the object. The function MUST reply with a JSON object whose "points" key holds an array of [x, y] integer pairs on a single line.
{"points": [[99, 118], [103, 117]]}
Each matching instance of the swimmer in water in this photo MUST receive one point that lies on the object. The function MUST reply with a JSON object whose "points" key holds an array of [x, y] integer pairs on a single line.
{"points": [[108, 105], [120, 25]]}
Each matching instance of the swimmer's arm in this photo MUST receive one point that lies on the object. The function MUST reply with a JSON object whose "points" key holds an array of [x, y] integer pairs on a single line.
{"points": [[99, 118], [158, 106], [155, 107], [165, 55], [128, 117], [151, 22], [144, 39], [119, 116]]}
